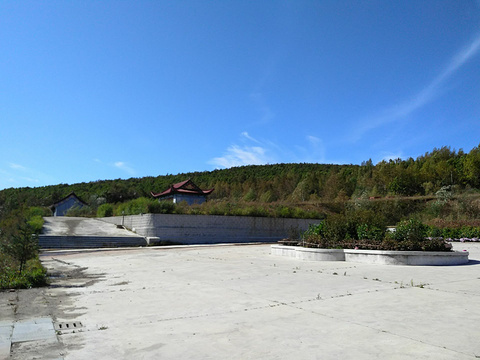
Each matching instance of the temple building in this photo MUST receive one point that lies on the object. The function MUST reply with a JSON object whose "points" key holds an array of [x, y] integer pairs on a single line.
{"points": [[71, 201], [184, 191]]}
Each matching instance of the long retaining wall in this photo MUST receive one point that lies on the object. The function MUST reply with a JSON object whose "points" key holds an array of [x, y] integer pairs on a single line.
{"points": [[373, 256], [208, 229]]}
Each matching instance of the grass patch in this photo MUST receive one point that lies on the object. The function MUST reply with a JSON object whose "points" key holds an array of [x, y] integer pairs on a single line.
{"points": [[33, 275]]}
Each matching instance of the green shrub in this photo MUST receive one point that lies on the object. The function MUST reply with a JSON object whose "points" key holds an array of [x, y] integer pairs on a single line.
{"points": [[33, 275], [284, 212], [433, 231], [451, 233], [36, 223], [410, 230], [37, 211], [105, 210], [370, 232], [336, 227], [409, 236], [84, 211], [162, 207], [316, 230], [470, 232]]}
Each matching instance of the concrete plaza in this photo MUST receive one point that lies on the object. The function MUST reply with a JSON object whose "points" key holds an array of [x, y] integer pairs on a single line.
{"points": [[240, 302]]}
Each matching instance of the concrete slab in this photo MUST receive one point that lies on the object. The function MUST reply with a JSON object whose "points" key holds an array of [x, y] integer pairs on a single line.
{"points": [[239, 302], [6, 328], [33, 329]]}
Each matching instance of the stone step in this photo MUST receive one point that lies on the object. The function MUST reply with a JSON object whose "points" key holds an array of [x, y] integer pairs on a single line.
{"points": [[78, 242]]}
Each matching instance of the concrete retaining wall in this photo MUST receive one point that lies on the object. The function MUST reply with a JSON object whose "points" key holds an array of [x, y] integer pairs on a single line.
{"points": [[208, 229], [373, 256]]}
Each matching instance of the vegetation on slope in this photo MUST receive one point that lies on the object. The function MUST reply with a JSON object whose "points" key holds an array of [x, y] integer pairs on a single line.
{"points": [[442, 184], [20, 266]]}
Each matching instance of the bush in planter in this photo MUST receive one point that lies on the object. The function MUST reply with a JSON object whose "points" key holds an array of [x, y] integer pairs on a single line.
{"points": [[411, 235], [315, 229], [316, 236], [336, 227], [410, 230], [370, 232]]}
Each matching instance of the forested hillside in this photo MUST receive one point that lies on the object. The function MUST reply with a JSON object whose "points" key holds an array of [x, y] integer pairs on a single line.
{"points": [[440, 175]]}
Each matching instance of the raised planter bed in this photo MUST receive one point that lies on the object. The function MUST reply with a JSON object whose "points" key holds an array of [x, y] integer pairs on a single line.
{"points": [[406, 257], [373, 256], [303, 253]]}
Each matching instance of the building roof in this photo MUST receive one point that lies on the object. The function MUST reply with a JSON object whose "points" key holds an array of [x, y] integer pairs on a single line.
{"points": [[184, 187], [72, 194]]}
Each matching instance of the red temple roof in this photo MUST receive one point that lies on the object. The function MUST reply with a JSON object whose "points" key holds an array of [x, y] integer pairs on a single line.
{"points": [[184, 187]]}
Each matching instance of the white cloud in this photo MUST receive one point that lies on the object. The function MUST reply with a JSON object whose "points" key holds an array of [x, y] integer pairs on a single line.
{"points": [[123, 166], [260, 152], [427, 94], [238, 156], [17, 167], [248, 137]]}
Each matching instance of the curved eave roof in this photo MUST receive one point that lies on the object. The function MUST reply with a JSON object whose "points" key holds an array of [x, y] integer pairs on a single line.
{"points": [[72, 194], [172, 191]]}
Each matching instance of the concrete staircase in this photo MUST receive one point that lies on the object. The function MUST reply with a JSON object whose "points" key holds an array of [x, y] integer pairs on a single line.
{"points": [[84, 233]]}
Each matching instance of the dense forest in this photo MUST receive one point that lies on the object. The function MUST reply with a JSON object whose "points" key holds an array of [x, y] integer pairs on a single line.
{"points": [[444, 183]]}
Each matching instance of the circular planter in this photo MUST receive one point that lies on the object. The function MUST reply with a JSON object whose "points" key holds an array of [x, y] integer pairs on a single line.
{"points": [[303, 253], [406, 257], [373, 256]]}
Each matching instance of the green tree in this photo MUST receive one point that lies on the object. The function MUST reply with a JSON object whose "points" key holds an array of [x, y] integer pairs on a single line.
{"points": [[472, 166], [21, 243]]}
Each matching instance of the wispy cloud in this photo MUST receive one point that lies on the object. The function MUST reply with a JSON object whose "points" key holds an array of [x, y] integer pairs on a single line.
{"points": [[424, 96], [238, 156], [251, 152], [17, 167], [255, 151], [124, 167], [247, 136], [18, 175], [312, 150]]}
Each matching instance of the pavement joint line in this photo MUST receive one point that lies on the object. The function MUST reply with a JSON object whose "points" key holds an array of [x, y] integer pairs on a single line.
{"points": [[212, 314]]}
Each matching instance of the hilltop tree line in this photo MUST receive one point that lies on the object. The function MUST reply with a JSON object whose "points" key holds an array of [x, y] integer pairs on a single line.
{"points": [[441, 171]]}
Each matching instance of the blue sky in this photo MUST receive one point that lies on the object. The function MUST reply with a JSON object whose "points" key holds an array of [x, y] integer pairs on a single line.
{"points": [[93, 90]]}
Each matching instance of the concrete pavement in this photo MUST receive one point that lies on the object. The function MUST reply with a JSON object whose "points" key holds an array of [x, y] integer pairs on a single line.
{"points": [[240, 302]]}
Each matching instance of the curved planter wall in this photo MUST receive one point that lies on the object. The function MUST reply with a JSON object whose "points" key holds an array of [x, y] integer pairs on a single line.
{"points": [[373, 256], [406, 257], [303, 253]]}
